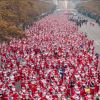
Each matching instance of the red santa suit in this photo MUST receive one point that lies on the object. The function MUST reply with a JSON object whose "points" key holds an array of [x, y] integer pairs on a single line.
{"points": [[88, 97]]}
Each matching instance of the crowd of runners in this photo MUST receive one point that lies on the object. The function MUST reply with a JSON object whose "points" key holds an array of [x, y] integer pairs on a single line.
{"points": [[79, 20], [54, 62]]}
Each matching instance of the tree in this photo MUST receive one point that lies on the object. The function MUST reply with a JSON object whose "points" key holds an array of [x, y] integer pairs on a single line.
{"points": [[15, 15]]}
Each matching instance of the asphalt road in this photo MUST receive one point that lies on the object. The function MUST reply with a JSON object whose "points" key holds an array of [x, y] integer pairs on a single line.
{"points": [[93, 32]]}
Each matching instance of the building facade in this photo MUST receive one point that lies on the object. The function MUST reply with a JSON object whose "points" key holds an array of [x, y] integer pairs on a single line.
{"points": [[61, 4], [66, 4]]}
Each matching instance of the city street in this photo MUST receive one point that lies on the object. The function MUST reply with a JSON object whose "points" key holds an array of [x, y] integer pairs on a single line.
{"points": [[57, 59], [93, 31]]}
